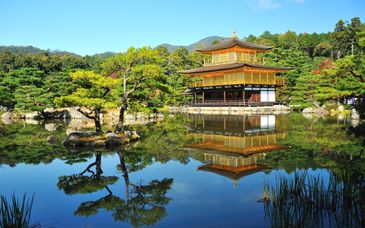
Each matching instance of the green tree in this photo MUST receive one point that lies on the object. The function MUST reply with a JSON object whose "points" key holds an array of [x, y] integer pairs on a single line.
{"points": [[58, 84], [340, 38], [93, 96], [305, 89], [31, 98], [7, 61], [140, 77], [14, 79], [323, 49], [308, 42]]}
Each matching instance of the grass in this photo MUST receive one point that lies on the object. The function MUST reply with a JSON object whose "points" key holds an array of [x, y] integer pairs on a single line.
{"points": [[309, 201], [16, 213]]}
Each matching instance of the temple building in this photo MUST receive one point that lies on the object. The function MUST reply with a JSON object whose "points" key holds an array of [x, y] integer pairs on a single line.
{"points": [[234, 74], [232, 146]]}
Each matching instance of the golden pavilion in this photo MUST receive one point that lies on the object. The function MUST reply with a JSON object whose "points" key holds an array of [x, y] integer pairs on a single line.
{"points": [[234, 74]]}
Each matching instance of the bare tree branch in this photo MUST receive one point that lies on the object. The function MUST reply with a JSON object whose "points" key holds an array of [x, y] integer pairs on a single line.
{"points": [[87, 114]]}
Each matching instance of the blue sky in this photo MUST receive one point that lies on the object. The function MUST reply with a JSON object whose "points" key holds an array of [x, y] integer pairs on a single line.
{"points": [[95, 26]]}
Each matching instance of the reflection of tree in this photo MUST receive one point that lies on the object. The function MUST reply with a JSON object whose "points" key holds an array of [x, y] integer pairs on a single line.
{"points": [[145, 204], [80, 184], [171, 135], [20, 143], [306, 201], [89, 208], [319, 143]]}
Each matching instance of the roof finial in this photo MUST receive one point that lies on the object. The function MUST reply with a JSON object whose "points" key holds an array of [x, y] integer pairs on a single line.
{"points": [[234, 35]]}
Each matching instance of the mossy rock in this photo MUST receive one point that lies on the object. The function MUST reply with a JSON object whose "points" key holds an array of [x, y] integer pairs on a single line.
{"points": [[91, 139]]}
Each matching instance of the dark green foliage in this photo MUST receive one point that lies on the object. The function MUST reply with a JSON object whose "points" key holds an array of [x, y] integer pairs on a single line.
{"points": [[78, 184], [146, 205], [31, 98], [28, 144], [90, 208]]}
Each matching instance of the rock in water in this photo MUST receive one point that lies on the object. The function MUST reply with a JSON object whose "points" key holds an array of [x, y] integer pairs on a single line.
{"points": [[340, 108], [33, 115], [160, 116], [6, 118], [91, 139], [307, 110], [52, 114], [50, 127], [354, 115], [320, 111], [51, 139], [110, 135]]}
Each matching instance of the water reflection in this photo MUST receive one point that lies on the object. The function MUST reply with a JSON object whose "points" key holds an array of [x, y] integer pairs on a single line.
{"points": [[144, 204], [311, 172], [233, 145]]}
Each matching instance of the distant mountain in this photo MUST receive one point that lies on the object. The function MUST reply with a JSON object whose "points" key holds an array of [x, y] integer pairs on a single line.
{"points": [[104, 55], [200, 44], [22, 49]]}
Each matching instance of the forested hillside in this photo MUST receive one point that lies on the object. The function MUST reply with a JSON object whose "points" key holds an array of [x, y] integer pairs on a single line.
{"points": [[328, 68]]}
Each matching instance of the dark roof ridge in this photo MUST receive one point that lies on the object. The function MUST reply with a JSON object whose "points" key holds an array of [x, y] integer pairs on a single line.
{"points": [[230, 42]]}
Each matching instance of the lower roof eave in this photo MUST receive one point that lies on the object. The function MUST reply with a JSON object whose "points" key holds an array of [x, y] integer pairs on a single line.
{"points": [[233, 66]]}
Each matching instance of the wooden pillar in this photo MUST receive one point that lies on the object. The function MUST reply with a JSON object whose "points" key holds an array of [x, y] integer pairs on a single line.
{"points": [[203, 97], [194, 97], [224, 96], [243, 124], [243, 96]]}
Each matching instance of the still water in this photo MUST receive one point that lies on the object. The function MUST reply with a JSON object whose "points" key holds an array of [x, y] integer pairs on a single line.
{"points": [[193, 171]]}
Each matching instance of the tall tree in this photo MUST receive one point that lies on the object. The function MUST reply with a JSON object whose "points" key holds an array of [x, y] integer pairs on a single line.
{"points": [[93, 96], [139, 74]]}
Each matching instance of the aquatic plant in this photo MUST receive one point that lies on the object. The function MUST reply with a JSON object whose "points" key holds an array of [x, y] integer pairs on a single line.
{"points": [[303, 200], [15, 213]]}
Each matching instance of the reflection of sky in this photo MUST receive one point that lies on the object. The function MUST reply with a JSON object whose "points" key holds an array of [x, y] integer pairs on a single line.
{"points": [[198, 198]]}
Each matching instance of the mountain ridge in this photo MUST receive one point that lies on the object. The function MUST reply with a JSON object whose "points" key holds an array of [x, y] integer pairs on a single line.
{"points": [[28, 49], [199, 44]]}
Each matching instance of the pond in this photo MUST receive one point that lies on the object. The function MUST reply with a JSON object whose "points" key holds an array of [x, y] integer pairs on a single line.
{"points": [[193, 170]]}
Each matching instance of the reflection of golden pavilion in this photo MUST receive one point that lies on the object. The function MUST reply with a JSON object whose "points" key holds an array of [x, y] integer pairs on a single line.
{"points": [[233, 145], [244, 145]]}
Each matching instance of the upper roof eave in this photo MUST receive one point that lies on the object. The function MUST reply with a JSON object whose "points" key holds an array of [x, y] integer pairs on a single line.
{"points": [[231, 42]]}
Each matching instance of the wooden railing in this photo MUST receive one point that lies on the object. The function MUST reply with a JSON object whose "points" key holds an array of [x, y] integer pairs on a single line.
{"points": [[231, 103], [237, 82], [257, 60]]}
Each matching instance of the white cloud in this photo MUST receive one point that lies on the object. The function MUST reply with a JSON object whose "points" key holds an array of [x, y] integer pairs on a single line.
{"points": [[264, 4]]}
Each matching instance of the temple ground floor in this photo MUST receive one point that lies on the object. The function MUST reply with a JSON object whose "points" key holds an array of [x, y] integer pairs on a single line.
{"points": [[233, 96], [231, 110]]}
